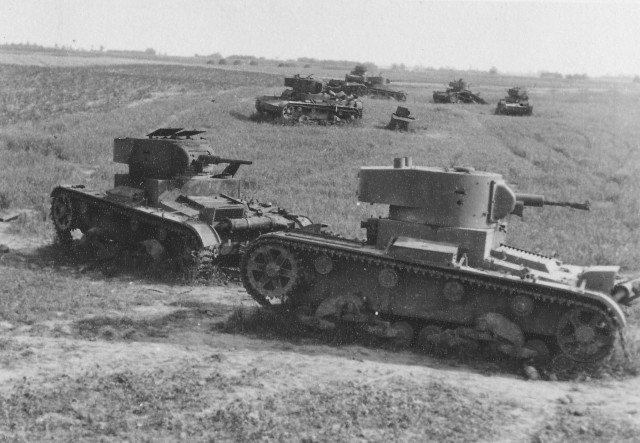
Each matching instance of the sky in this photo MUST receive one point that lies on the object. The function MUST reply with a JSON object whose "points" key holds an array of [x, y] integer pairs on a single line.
{"points": [[571, 37]]}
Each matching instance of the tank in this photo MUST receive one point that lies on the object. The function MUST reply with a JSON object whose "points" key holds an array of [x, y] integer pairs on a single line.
{"points": [[457, 92], [376, 86], [307, 101], [515, 103], [171, 200], [438, 269]]}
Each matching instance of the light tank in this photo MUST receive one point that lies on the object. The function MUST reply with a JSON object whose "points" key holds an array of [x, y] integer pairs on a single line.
{"points": [[307, 101], [438, 269], [457, 92], [376, 86], [515, 103], [171, 200]]}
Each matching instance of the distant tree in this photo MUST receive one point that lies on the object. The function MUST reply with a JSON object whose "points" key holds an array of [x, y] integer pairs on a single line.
{"points": [[253, 62], [493, 70], [636, 79], [307, 65], [237, 62], [150, 51], [222, 61]]}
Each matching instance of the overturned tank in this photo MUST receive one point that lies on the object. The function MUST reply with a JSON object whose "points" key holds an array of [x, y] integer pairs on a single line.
{"points": [[171, 200], [438, 268], [457, 92], [307, 101], [515, 103]]}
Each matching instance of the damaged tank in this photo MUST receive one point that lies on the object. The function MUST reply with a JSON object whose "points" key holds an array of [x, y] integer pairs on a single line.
{"points": [[438, 270], [307, 101], [515, 103], [457, 92], [170, 201], [375, 86]]}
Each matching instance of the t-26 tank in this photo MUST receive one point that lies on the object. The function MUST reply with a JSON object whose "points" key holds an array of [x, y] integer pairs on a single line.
{"points": [[515, 103], [306, 101], [457, 92], [437, 270], [170, 200]]}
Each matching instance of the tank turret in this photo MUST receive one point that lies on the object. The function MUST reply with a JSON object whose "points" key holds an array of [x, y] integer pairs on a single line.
{"points": [[456, 205]]}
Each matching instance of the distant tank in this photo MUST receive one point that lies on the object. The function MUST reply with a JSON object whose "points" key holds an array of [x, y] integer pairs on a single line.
{"points": [[170, 200], [457, 92], [350, 88], [437, 269], [375, 85], [306, 101], [515, 103]]}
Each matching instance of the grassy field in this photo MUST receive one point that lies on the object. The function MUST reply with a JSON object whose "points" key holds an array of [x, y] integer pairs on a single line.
{"points": [[57, 125], [580, 144]]}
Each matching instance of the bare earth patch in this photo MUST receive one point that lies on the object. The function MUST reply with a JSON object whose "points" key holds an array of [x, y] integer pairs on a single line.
{"points": [[162, 368]]}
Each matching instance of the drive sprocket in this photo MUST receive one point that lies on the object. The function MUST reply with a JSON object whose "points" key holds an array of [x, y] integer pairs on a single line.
{"points": [[270, 272]]}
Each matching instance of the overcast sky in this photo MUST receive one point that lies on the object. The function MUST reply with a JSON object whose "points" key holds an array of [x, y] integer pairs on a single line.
{"points": [[596, 37]]}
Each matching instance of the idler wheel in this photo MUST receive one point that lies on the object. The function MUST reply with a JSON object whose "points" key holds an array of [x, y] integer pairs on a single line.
{"points": [[585, 335], [270, 272], [63, 215]]}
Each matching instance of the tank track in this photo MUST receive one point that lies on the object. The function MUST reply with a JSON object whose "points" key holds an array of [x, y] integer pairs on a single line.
{"points": [[505, 288], [197, 260]]}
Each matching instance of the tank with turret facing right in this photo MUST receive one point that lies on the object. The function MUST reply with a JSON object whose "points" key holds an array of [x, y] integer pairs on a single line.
{"points": [[438, 269]]}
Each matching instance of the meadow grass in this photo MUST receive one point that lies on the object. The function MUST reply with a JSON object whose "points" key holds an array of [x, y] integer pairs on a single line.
{"points": [[580, 144]]}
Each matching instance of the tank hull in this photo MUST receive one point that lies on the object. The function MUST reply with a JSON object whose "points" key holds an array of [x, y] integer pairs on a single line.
{"points": [[309, 110], [457, 97], [222, 228], [517, 108], [422, 287]]}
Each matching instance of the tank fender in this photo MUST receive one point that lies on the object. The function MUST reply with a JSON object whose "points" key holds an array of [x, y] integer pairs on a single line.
{"points": [[610, 305], [207, 235]]}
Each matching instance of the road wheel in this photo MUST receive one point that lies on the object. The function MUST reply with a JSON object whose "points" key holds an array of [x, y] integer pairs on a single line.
{"points": [[62, 214], [404, 334], [425, 333], [585, 335], [270, 272], [288, 112]]}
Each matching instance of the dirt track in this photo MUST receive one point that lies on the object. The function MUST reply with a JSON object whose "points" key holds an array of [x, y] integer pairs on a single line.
{"points": [[181, 334]]}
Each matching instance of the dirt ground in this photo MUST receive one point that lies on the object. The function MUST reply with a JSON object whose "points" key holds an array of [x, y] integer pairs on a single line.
{"points": [[166, 371]]}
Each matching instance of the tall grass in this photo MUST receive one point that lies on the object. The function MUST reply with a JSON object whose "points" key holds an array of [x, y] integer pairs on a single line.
{"points": [[580, 144]]}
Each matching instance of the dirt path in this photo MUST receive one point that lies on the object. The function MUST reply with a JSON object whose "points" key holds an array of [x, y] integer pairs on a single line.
{"points": [[183, 331]]}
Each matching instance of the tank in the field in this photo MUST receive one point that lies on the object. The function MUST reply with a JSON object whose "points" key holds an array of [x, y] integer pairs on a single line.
{"points": [[375, 86], [515, 103], [458, 92], [171, 200], [307, 101], [438, 270]]}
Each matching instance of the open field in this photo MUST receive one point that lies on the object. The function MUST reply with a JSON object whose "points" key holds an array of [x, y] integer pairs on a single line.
{"points": [[134, 357]]}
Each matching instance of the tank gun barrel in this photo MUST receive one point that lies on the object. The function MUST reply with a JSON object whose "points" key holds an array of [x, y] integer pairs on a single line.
{"points": [[216, 160], [538, 200], [230, 170]]}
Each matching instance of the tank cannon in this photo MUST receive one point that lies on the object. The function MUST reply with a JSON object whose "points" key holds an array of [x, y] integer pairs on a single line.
{"points": [[438, 267], [171, 198]]}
